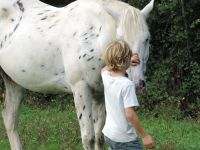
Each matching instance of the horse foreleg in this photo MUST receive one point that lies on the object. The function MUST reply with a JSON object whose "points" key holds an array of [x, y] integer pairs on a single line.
{"points": [[10, 112], [83, 98], [99, 115]]}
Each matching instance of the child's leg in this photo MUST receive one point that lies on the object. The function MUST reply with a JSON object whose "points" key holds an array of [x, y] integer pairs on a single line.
{"points": [[112, 144], [133, 145]]}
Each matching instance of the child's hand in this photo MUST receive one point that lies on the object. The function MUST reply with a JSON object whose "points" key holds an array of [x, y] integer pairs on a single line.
{"points": [[148, 142], [135, 60]]}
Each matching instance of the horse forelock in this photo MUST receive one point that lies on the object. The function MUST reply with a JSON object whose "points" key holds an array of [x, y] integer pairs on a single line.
{"points": [[135, 26]]}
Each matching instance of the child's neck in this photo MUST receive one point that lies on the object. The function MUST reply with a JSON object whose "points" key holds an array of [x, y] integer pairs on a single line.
{"points": [[118, 73]]}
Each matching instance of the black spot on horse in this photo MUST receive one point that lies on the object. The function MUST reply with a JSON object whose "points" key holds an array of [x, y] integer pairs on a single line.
{"points": [[42, 66], [47, 10], [74, 34], [44, 18], [84, 107], [5, 38], [16, 27], [100, 29], [91, 27], [80, 116], [91, 50], [90, 116], [10, 34], [90, 58], [79, 57], [23, 70], [20, 18], [55, 22], [21, 7], [56, 74], [1, 45], [4, 9], [52, 26], [71, 9], [97, 35], [53, 15], [12, 19], [84, 55], [93, 68], [40, 13]]}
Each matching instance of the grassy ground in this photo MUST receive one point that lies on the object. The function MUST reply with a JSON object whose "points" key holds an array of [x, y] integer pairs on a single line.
{"points": [[56, 128]]}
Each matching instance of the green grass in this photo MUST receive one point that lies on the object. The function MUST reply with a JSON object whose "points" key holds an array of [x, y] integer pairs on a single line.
{"points": [[55, 128], [46, 129], [170, 134]]}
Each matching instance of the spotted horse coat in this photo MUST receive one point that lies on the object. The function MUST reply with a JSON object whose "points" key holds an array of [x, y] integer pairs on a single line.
{"points": [[57, 50]]}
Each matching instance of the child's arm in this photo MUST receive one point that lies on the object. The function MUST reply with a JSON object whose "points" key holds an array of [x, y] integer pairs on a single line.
{"points": [[133, 118]]}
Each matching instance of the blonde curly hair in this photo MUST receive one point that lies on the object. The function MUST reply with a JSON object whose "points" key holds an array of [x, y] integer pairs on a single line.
{"points": [[118, 55]]}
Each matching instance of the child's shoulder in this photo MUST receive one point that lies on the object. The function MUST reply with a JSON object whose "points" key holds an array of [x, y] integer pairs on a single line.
{"points": [[106, 68]]}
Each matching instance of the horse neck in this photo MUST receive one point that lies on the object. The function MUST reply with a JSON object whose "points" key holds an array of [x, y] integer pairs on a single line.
{"points": [[28, 3], [115, 4]]}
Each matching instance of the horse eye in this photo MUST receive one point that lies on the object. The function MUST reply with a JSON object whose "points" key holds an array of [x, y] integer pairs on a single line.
{"points": [[146, 41]]}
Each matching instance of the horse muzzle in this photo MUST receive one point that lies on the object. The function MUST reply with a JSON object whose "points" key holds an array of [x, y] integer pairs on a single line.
{"points": [[140, 87]]}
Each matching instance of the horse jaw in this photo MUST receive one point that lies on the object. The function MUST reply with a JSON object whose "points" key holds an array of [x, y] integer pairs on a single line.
{"points": [[147, 9]]}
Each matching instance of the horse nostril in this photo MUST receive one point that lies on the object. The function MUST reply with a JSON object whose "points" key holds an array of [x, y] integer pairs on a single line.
{"points": [[142, 83]]}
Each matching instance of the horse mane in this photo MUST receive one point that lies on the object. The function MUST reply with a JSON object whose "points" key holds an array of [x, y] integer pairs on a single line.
{"points": [[132, 22]]}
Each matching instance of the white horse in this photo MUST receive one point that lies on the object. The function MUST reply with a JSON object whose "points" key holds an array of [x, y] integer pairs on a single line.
{"points": [[58, 50]]}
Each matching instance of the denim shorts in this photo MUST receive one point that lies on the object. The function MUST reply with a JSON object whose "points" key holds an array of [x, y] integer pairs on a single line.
{"points": [[132, 145]]}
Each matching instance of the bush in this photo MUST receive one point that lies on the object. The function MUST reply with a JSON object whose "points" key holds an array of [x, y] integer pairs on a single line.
{"points": [[173, 69], [174, 64]]}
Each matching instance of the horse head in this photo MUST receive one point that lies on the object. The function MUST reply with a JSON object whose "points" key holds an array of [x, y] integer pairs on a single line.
{"points": [[132, 28]]}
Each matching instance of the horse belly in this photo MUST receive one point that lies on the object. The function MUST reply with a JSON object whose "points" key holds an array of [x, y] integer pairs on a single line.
{"points": [[35, 64]]}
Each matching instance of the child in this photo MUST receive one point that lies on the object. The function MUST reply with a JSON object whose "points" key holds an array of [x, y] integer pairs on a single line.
{"points": [[120, 98]]}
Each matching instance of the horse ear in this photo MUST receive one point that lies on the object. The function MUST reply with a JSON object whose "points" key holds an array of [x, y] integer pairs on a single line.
{"points": [[147, 9]]}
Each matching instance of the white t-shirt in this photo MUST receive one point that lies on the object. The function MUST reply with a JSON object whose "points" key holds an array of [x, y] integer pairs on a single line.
{"points": [[119, 94]]}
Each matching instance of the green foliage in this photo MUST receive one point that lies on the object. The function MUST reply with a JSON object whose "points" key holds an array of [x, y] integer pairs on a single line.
{"points": [[174, 64]]}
